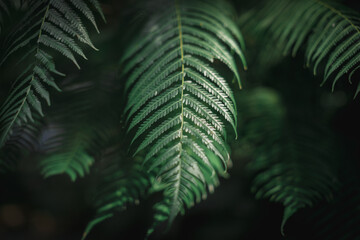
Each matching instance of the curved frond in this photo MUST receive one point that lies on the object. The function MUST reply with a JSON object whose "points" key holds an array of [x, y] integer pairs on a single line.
{"points": [[120, 186], [179, 103], [22, 142], [292, 159], [68, 152], [55, 25], [76, 131], [329, 31]]}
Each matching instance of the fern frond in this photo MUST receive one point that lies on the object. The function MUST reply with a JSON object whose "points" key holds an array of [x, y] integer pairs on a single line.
{"points": [[329, 31], [68, 153], [76, 132], [22, 142], [50, 24], [178, 103], [120, 185], [292, 161]]}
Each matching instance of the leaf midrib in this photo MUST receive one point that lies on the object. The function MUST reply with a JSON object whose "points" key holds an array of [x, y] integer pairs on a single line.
{"points": [[2, 140], [173, 211], [338, 13]]}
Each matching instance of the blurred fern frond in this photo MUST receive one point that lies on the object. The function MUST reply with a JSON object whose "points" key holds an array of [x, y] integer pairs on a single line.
{"points": [[80, 125], [23, 141], [121, 184], [329, 31], [292, 157], [70, 154], [163, 127], [68, 138], [52, 24], [178, 103]]}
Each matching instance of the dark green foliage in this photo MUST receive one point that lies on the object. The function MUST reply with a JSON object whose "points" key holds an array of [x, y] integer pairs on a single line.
{"points": [[120, 184], [50, 24], [292, 157], [179, 103], [23, 141], [75, 136], [70, 155], [70, 134], [160, 119], [329, 31]]}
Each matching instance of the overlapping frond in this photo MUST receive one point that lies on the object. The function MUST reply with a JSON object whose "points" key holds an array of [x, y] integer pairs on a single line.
{"points": [[23, 141], [55, 25], [67, 152], [329, 31], [178, 103], [292, 158], [120, 185], [76, 131]]}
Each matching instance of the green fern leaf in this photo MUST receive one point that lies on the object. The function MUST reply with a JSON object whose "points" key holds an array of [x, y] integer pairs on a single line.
{"points": [[75, 136], [47, 24], [120, 186], [69, 154], [178, 103], [291, 158], [23, 141], [329, 31]]}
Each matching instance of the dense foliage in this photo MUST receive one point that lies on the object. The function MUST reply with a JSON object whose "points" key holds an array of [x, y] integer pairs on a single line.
{"points": [[175, 94]]}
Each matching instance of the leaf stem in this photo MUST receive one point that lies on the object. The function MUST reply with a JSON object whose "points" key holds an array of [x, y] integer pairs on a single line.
{"points": [[338, 13]]}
